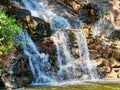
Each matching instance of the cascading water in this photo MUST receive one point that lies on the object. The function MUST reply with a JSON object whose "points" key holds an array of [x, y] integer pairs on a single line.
{"points": [[38, 61], [69, 67]]}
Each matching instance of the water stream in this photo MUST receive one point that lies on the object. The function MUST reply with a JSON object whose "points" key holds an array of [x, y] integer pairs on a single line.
{"points": [[70, 68]]}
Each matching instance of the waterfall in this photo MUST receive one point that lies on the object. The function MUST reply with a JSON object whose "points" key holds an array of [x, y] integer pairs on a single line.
{"points": [[38, 61], [70, 66]]}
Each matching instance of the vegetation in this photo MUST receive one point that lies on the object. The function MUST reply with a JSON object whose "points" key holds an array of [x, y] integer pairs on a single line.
{"points": [[8, 28]]}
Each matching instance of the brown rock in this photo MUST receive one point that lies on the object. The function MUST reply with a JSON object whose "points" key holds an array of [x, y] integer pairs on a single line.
{"points": [[114, 62], [111, 75], [105, 69], [116, 54]]}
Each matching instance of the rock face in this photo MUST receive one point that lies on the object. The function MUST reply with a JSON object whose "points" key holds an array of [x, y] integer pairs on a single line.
{"points": [[17, 71], [88, 12], [103, 42], [106, 54], [37, 28]]}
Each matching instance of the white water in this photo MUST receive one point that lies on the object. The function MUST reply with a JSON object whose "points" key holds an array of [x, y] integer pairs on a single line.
{"points": [[86, 65], [69, 67], [38, 61]]}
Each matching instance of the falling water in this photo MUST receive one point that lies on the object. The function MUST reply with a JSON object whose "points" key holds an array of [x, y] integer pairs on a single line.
{"points": [[70, 68], [38, 61]]}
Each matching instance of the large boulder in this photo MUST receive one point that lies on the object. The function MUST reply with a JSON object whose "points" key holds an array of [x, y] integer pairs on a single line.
{"points": [[17, 73], [89, 13], [16, 70], [37, 28]]}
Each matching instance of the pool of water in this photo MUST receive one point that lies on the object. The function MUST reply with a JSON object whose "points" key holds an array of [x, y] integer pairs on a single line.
{"points": [[84, 86], [79, 86]]}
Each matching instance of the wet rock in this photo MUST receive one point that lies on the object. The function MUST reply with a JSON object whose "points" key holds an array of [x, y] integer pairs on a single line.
{"points": [[17, 73], [14, 70], [27, 77], [47, 46], [64, 73], [42, 29], [77, 73], [37, 28], [73, 44]]}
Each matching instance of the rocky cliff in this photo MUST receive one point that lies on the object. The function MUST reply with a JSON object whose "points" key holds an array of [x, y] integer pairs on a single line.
{"points": [[101, 26]]}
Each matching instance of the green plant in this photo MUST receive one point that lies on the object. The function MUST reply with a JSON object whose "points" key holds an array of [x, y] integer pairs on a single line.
{"points": [[8, 28]]}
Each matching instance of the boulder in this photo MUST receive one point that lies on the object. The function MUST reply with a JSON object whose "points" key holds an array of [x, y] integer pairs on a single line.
{"points": [[37, 28], [115, 53], [17, 73], [89, 13], [15, 67], [114, 62], [11, 81], [111, 75]]}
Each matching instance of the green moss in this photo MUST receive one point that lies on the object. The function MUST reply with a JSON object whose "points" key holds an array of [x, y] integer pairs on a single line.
{"points": [[8, 28]]}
